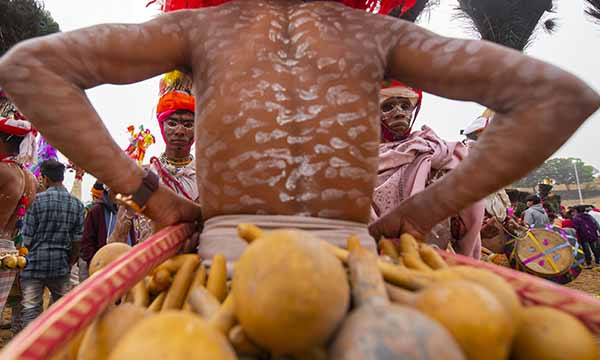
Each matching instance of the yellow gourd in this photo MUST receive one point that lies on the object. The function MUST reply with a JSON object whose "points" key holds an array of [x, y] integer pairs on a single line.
{"points": [[290, 292], [173, 335], [106, 331], [549, 334], [107, 254]]}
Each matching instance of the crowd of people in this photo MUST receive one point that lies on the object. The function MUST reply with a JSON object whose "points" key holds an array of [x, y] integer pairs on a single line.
{"points": [[280, 142]]}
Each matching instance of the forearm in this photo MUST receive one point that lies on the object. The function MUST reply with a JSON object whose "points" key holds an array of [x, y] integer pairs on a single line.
{"points": [[62, 112], [121, 233], [514, 144]]}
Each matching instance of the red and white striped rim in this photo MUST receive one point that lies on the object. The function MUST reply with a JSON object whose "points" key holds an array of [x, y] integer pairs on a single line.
{"points": [[536, 291], [53, 330]]}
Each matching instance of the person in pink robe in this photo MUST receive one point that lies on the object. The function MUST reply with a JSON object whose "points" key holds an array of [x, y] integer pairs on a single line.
{"points": [[411, 161]]}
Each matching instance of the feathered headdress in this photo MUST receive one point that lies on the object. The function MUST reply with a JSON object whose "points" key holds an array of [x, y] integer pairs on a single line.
{"points": [[593, 9], [374, 6], [510, 23]]}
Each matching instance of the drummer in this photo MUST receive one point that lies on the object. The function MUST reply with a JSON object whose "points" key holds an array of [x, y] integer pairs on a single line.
{"points": [[535, 216]]}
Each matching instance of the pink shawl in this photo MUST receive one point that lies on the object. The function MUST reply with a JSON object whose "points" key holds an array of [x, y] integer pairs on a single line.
{"points": [[404, 170]]}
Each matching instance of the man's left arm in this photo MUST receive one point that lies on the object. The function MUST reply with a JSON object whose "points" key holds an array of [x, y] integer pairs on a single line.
{"points": [[538, 107]]}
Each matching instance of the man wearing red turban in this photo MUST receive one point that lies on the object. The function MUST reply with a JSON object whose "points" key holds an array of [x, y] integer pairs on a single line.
{"points": [[411, 161], [176, 168]]}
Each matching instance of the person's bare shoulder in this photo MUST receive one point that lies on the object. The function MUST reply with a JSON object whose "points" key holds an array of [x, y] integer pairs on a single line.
{"points": [[10, 183], [31, 185]]}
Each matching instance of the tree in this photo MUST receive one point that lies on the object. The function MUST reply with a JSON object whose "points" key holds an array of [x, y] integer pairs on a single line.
{"points": [[561, 170], [21, 20]]}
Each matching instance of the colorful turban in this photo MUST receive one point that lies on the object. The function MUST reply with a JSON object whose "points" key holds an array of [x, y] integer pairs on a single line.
{"points": [[170, 103], [394, 88], [382, 6]]}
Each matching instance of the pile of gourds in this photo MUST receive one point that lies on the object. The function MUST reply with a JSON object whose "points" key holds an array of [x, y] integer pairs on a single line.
{"points": [[295, 296]]}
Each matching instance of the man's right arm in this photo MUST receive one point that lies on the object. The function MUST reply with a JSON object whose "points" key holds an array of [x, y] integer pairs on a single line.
{"points": [[46, 78]]}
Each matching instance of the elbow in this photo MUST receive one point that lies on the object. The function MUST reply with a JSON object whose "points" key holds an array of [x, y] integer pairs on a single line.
{"points": [[580, 97], [16, 66], [592, 101]]}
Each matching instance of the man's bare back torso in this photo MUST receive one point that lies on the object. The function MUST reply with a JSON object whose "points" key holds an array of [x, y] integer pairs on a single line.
{"points": [[288, 116]]}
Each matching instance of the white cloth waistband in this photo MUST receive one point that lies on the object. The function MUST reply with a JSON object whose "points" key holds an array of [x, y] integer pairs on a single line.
{"points": [[219, 235]]}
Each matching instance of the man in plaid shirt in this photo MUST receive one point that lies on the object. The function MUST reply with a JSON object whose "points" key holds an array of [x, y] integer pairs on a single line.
{"points": [[53, 229]]}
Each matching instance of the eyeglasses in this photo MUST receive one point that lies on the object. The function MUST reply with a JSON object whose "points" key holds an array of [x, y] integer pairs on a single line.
{"points": [[188, 124], [393, 104]]}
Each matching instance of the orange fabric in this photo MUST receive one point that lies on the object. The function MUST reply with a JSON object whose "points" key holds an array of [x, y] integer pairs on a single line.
{"points": [[174, 101]]}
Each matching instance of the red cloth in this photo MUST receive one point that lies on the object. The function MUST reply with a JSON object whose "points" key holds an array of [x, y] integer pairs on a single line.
{"points": [[567, 223], [370, 5], [16, 127]]}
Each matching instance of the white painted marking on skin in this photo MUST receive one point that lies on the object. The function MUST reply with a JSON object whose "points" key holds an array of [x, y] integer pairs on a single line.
{"points": [[332, 194], [326, 61], [336, 162], [338, 95], [249, 125], [338, 143], [299, 139], [331, 173], [247, 200], [263, 137], [305, 169], [354, 132], [323, 149]]}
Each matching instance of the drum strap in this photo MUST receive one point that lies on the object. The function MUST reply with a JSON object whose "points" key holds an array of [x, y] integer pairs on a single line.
{"points": [[539, 248]]}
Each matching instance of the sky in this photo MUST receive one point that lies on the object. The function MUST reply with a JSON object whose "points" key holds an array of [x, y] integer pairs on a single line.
{"points": [[574, 46]]}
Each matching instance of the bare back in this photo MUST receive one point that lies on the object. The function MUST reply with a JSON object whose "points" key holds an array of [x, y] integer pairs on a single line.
{"points": [[288, 116], [287, 106]]}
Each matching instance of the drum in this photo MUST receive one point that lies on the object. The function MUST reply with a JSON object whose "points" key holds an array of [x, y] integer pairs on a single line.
{"points": [[548, 253]]}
